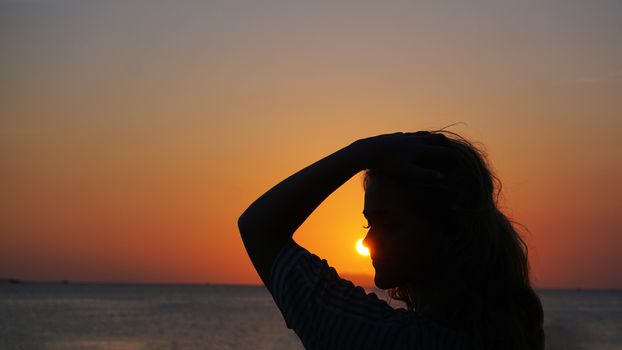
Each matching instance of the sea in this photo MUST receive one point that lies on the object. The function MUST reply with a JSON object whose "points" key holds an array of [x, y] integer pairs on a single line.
{"points": [[171, 317]]}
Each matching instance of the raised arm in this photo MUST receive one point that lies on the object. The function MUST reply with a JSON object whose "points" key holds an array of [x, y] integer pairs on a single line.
{"points": [[269, 222]]}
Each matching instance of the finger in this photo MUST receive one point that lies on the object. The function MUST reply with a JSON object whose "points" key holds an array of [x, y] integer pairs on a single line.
{"points": [[428, 138], [421, 133], [428, 152], [411, 171], [433, 138], [437, 139]]}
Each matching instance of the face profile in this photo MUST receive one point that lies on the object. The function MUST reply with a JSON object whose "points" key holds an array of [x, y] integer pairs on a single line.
{"points": [[397, 239]]}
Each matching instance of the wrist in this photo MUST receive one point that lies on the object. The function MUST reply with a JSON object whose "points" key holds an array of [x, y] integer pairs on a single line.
{"points": [[361, 154]]}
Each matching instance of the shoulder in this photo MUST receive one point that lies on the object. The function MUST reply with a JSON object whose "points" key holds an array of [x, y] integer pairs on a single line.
{"points": [[329, 312]]}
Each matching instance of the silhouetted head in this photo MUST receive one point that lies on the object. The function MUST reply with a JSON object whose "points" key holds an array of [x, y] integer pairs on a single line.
{"points": [[444, 248], [399, 236]]}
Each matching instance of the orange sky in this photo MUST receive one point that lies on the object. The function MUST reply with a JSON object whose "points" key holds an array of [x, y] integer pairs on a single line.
{"points": [[133, 136]]}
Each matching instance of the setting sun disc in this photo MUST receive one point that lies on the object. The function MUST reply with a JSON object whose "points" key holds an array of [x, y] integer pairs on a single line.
{"points": [[362, 249]]}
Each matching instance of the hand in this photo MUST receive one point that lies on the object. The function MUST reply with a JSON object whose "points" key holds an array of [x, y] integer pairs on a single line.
{"points": [[404, 154]]}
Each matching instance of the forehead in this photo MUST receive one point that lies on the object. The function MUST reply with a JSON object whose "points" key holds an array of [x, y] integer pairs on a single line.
{"points": [[384, 197]]}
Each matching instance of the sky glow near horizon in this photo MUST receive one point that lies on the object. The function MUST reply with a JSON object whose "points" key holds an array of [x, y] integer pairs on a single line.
{"points": [[132, 136]]}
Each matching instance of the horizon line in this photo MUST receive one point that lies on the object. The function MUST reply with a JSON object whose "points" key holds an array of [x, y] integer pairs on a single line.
{"points": [[16, 281]]}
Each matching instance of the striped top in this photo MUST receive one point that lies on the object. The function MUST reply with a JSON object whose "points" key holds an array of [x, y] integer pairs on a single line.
{"points": [[328, 312]]}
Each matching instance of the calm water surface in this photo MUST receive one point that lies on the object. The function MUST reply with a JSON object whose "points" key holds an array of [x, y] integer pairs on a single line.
{"points": [[124, 317]]}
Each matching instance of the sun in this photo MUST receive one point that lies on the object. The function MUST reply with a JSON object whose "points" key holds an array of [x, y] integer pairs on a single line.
{"points": [[361, 249]]}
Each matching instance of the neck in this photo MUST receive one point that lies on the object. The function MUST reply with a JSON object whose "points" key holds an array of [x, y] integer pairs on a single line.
{"points": [[440, 301]]}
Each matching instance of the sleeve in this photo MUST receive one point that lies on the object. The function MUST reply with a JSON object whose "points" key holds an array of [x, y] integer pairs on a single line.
{"points": [[328, 312]]}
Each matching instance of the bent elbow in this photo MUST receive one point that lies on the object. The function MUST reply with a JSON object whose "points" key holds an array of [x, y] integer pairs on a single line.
{"points": [[242, 224], [245, 225]]}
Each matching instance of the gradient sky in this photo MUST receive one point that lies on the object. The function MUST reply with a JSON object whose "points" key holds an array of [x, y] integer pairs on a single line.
{"points": [[132, 136]]}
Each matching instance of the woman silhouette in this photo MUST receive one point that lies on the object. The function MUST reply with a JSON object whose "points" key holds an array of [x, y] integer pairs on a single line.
{"points": [[437, 240]]}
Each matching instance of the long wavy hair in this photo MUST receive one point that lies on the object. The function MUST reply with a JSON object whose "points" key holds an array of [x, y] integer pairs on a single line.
{"points": [[478, 252]]}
